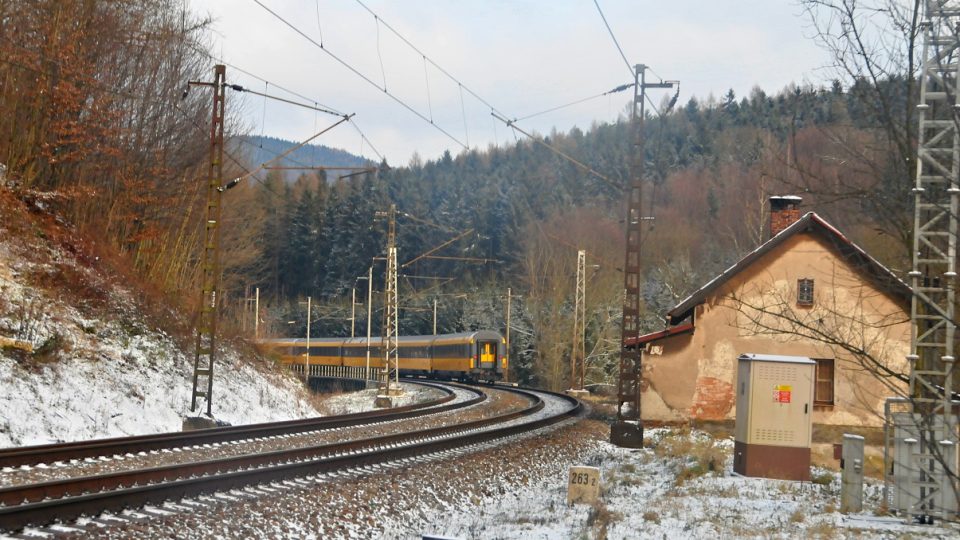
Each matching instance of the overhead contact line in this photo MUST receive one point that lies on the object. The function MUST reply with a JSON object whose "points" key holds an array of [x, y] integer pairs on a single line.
{"points": [[614, 38], [316, 103], [561, 153], [620, 88], [357, 72]]}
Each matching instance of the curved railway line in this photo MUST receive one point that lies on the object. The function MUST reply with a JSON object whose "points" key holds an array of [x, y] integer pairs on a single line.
{"points": [[69, 498], [62, 452]]}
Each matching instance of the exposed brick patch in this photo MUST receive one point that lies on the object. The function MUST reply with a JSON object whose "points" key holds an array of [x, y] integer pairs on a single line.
{"points": [[783, 218], [712, 399]]}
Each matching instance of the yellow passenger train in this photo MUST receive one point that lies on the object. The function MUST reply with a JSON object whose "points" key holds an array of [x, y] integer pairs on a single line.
{"points": [[473, 356]]}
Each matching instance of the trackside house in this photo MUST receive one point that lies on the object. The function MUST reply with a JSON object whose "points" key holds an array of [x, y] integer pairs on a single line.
{"points": [[807, 291]]}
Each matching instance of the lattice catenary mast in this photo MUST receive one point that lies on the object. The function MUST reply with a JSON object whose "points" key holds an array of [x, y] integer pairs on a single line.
{"points": [[627, 430], [390, 377], [924, 429], [210, 264]]}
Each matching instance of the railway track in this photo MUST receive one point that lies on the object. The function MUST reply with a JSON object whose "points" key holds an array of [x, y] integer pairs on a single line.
{"points": [[68, 499], [120, 446]]}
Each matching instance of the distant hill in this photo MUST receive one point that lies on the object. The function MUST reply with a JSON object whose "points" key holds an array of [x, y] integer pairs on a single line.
{"points": [[259, 150]]}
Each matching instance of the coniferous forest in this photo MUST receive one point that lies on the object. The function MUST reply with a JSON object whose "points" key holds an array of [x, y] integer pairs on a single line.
{"points": [[515, 216]]}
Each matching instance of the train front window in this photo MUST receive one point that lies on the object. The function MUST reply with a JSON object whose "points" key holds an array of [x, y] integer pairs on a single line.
{"points": [[488, 351]]}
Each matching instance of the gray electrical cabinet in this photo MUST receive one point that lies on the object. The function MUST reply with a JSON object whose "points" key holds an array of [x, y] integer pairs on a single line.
{"points": [[774, 416]]}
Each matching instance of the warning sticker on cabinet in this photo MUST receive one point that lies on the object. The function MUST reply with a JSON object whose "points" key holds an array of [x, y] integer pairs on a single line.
{"points": [[781, 393]]}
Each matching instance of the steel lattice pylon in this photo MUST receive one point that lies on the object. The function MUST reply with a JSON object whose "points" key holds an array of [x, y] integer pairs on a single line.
{"points": [[391, 324], [628, 390], [210, 264], [925, 432], [578, 352], [627, 430]]}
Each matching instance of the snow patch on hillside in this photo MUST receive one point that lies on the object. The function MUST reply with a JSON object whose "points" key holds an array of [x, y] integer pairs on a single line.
{"points": [[91, 377]]}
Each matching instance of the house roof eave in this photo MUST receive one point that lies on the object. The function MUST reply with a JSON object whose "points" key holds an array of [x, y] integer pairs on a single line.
{"points": [[880, 273]]}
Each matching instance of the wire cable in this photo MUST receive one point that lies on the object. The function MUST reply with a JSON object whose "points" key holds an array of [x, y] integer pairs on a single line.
{"points": [[234, 67], [614, 38], [239, 88], [620, 88], [463, 111], [496, 113], [320, 28], [263, 120], [317, 106], [426, 79], [359, 74], [436, 65], [560, 153], [383, 72], [295, 147], [365, 139]]}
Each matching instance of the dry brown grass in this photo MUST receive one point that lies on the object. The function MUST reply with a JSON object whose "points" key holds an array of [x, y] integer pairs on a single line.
{"points": [[834, 434], [703, 454], [821, 455], [599, 519], [822, 530]]}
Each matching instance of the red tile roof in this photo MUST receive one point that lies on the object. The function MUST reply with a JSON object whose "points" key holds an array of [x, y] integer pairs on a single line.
{"points": [[869, 267], [654, 336]]}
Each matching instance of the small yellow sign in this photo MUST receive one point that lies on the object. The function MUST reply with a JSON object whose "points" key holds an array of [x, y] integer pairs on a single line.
{"points": [[781, 393]]}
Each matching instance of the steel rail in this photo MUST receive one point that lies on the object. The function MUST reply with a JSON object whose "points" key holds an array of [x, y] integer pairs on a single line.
{"points": [[51, 453], [72, 498], [79, 485]]}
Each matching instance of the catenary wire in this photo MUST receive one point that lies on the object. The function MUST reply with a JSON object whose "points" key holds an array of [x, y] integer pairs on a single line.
{"points": [[496, 113], [620, 88], [560, 153], [614, 38], [316, 105], [359, 74]]}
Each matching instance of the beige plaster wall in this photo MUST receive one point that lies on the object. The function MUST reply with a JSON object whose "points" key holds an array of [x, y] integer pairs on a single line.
{"points": [[693, 375]]}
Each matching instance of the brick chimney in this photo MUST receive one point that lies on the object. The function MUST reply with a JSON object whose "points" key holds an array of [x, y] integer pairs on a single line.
{"points": [[784, 211]]}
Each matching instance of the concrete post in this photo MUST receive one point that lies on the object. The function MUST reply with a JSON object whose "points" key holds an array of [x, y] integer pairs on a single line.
{"points": [[851, 474]]}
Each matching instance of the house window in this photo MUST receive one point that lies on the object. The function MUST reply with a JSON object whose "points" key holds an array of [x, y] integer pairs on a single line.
{"points": [[823, 391], [805, 292]]}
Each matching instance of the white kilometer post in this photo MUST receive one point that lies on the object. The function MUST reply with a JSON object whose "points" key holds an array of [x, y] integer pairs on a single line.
{"points": [[583, 485]]}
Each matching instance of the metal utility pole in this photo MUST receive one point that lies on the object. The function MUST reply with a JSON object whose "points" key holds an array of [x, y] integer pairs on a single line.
{"points": [[369, 315], [924, 428], [256, 317], [306, 371], [434, 316], [627, 430], [578, 350], [210, 259], [353, 310], [390, 379], [506, 372], [246, 302]]}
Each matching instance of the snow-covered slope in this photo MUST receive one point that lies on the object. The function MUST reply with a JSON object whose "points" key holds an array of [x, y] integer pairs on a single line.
{"points": [[98, 368]]}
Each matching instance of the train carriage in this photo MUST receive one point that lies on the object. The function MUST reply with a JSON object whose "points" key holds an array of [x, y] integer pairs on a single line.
{"points": [[477, 356]]}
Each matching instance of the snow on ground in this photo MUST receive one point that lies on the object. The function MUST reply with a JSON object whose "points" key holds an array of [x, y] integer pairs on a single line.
{"points": [[668, 491], [362, 400], [98, 370]]}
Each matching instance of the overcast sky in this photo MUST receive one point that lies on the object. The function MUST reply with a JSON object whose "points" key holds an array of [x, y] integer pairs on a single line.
{"points": [[521, 56]]}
